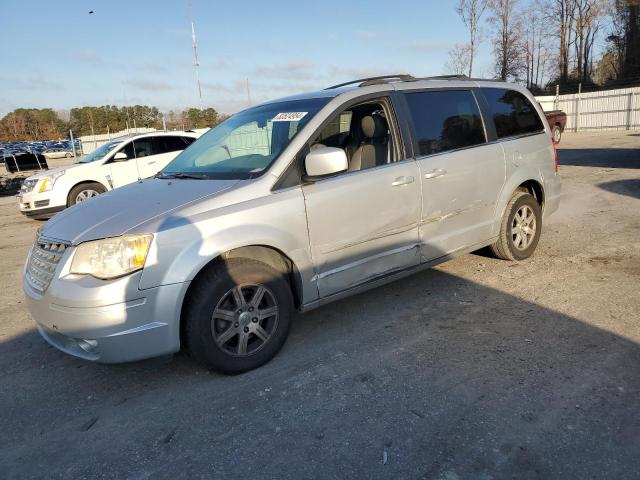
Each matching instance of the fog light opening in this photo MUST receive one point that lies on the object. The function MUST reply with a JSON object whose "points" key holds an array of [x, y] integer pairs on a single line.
{"points": [[89, 346]]}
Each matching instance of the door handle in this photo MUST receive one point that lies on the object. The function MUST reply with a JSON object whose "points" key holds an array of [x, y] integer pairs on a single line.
{"points": [[151, 162], [402, 181], [438, 172]]}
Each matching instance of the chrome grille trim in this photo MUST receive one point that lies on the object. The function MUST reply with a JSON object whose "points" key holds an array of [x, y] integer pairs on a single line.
{"points": [[45, 257]]}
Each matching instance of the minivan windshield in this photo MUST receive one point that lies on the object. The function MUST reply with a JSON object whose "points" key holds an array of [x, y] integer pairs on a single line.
{"points": [[246, 144], [101, 152]]}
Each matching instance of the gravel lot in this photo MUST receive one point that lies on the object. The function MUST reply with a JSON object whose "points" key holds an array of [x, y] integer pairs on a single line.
{"points": [[476, 369]]}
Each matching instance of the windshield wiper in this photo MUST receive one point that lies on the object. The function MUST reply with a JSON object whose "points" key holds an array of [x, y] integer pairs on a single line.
{"points": [[196, 176]]}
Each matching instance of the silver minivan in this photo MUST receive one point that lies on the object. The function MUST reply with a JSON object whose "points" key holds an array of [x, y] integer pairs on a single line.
{"points": [[290, 205]]}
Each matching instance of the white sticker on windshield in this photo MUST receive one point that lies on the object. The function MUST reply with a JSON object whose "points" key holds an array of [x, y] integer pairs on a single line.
{"points": [[289, 117]]}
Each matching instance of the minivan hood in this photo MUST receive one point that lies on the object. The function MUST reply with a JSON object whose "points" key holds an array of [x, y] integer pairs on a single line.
{"points": [[118, 211]]}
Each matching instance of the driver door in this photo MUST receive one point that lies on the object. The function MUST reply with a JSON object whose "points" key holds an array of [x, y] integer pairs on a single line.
{"points": [[363, 224]]}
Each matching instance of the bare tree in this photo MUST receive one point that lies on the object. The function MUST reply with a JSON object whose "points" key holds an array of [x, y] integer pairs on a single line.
{"points": [[459, 60], [587, 16], [537, 47], [507, 37], [561, 15], [471, 12]]}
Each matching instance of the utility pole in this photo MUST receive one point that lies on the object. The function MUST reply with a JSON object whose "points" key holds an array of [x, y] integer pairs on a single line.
{"points": [[248, 93], [196, 62]]}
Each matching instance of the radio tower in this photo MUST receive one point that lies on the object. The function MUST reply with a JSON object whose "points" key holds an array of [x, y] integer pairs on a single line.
{"points": [[196, 62]]}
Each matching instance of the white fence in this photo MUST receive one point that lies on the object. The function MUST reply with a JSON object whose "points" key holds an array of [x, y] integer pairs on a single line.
{"points": [[605, 110]]}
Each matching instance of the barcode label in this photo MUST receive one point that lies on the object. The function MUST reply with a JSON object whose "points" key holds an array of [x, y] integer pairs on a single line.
{"points": [[289, 117]]}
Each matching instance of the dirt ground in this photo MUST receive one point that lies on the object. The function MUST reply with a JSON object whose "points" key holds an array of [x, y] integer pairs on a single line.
{"points": [[476, 369]]}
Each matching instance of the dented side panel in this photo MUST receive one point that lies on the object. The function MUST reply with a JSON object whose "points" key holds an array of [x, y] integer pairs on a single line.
{"points": [[361, 226], [460, 191]]}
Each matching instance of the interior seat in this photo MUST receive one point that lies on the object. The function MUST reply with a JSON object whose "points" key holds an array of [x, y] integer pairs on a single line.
{"points": [[374, 150]]}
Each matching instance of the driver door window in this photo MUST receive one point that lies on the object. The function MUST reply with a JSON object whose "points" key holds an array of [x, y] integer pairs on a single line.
{"points": [[365, 133]]}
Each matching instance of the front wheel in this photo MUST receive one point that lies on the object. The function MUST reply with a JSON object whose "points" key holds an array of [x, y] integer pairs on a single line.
{"points": [[83, 192], [237, 315], [520, 228]]}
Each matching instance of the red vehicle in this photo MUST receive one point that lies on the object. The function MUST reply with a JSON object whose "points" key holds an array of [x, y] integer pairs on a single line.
{"points": [[557, 120]]}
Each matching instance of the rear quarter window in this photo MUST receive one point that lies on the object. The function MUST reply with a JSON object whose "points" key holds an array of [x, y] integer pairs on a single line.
{"points": [[512, 113], [445, 120]]}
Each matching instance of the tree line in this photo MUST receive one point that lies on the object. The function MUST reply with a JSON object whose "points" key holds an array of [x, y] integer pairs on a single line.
{"points": [[45, 123], [544, 42]]}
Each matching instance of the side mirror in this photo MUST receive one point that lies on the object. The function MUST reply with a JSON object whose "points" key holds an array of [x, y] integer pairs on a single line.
{"points": [[120, 157], [325, 161]]}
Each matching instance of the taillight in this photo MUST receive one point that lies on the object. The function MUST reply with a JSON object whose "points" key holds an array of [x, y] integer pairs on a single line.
{"points": [[555, 155]]}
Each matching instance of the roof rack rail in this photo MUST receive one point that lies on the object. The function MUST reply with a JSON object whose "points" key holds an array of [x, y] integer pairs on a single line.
{"points": [[446, 77], [460, 77], [374, 80]]}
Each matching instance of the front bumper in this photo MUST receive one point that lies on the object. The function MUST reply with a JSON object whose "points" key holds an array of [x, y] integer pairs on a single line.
{"points": [[39, 205], [108, 321]]}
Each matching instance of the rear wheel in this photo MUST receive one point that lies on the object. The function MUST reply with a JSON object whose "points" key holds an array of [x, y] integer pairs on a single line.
{"points": [[556, 133], [520, 228], [83, 192], [237, 316]]}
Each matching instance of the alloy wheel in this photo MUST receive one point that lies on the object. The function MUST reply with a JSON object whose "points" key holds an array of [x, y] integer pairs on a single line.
{"points": [[523, 227], [244, 319], [85, 195]]}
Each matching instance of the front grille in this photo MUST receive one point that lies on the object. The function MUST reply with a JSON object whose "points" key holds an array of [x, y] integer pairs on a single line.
{"points": [[44, 260], [41, 203]]}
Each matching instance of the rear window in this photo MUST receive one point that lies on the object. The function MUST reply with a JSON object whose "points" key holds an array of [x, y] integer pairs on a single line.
{"points": [[445, 120], [513, 114], [166, 144]]}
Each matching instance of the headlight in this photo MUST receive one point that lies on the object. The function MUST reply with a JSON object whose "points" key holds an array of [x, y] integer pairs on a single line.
{"points": [[46, 183], [111, 257]]}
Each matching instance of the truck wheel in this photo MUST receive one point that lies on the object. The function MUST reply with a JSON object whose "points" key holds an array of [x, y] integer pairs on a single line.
{"points": [[237, 316], [520, 228], [83, 192], [556, 134]]}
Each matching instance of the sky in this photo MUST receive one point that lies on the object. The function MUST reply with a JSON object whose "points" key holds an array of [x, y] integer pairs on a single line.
{"points": [[55, 54]]}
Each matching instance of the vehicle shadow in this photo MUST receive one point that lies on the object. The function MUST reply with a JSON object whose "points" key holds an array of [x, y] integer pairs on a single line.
{"points": [[600, 157], [433, 376], [629, 187]]}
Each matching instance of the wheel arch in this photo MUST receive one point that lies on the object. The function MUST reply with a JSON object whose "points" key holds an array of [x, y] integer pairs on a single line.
{"points": [[84, 182], [266, 254], [528, 185], [535, 189]]}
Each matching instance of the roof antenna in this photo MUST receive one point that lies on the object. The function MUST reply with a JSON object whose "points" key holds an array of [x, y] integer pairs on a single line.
{"points": [[196, 62]]}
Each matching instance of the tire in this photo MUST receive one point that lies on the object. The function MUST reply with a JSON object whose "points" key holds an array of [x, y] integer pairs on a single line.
{"points": [[215, 325], [68, 155], [556, 134], [514, 242], [74, 194]]}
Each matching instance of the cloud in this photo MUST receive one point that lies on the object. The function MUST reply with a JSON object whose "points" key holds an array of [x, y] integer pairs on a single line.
{"points": [[148, 85], [32, 82]]}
